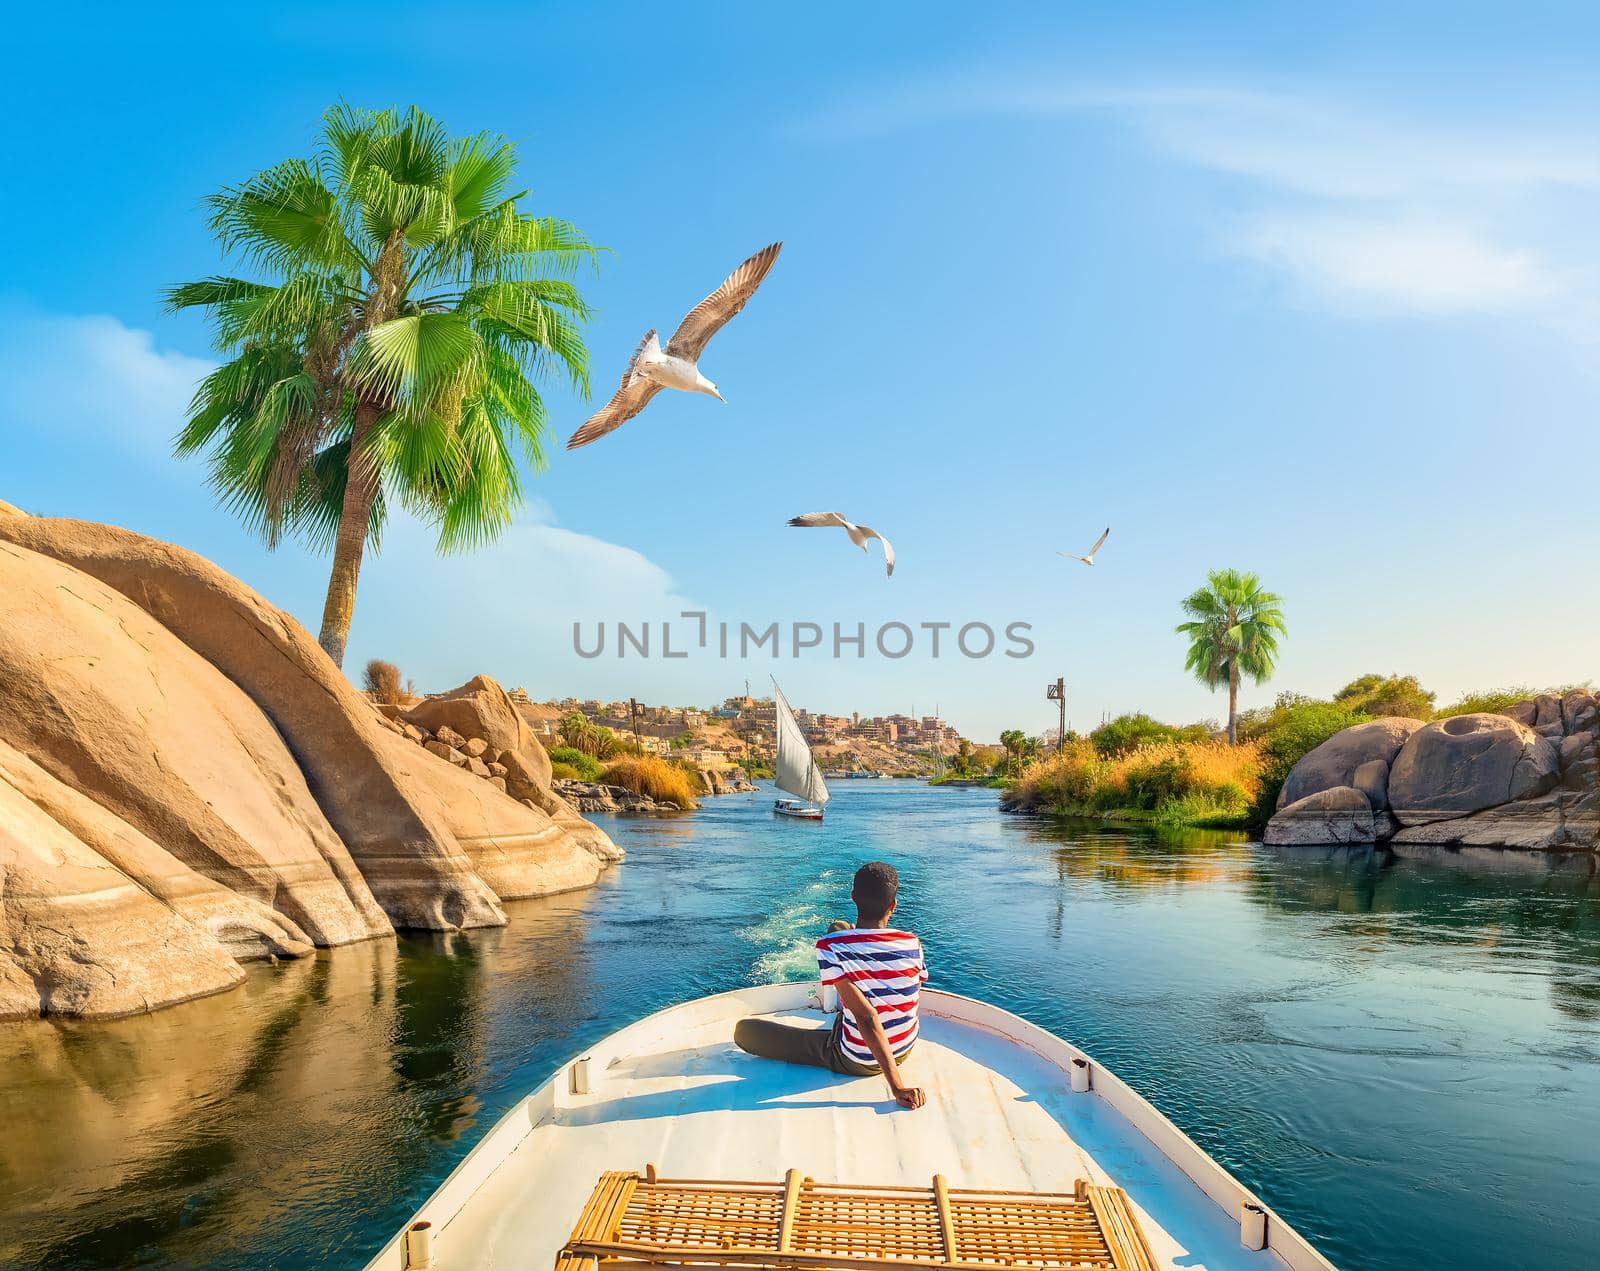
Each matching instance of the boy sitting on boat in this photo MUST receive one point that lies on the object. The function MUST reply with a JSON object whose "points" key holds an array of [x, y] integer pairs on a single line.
{"points": [[879, 972]]}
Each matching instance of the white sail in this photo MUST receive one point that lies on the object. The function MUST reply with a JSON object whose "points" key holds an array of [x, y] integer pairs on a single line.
{"points": [[798, 773]]}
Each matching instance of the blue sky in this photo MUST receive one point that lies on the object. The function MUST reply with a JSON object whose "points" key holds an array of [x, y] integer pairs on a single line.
{"points": [[1313, 294]]}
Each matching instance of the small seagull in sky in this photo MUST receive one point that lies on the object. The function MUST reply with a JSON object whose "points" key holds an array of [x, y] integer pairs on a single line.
{"points": [[653, 368], [859, 534], [1089, 559]]}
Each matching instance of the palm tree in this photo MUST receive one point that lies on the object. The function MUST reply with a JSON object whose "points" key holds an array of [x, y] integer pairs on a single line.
{"points": [[1234, 631], [385, 356], [1014, 740], [573, 729]]}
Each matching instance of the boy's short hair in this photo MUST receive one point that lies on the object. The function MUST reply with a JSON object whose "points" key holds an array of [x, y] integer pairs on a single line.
{"points": [[876, 886]]}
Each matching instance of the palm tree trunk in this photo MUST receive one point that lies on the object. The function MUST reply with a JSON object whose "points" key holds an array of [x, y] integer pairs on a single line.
{"points": [[360, 492], [361, 477], [1233, 704]]}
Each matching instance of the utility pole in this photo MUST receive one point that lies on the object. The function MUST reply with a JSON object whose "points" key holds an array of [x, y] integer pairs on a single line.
{"points": [[1057, 693]]}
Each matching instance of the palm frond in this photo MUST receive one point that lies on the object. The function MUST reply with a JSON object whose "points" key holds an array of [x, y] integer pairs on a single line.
{"points": [[213, 291], [480, 168], [479, 510], [284, 218], [409, 362]]}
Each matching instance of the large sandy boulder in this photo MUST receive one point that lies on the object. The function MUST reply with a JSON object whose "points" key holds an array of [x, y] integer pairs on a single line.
{"points": [[187, 782], [109, 702], [1336, 761], [518, 850], [79, 937], [1458, 766], [480, 708], [406, 855], [585, 833], [1339, 815], [244, 926], [525, 784]]}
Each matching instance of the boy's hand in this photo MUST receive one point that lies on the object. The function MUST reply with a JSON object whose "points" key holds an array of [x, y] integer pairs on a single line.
{"points": [[910, 1097]]}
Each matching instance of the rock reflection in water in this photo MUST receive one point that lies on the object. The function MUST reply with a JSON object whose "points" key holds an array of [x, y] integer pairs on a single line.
{"points": [[198, 1129]]}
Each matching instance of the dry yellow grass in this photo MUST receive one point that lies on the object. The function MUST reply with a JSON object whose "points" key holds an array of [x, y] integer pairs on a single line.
{"points": [[1182, 780], [645, 774]]}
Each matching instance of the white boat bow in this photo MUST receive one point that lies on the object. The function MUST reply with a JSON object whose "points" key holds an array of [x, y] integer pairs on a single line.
{"points": [[673, 1091]]}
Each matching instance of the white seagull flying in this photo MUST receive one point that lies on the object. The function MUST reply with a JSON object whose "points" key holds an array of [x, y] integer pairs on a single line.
{"points": [[859, 534], [653, 368], [1089, 559]]}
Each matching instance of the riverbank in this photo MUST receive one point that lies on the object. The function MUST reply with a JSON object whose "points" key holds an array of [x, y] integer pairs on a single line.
{"points": [[1206, 784], [1261, 998], [1171, 816]]}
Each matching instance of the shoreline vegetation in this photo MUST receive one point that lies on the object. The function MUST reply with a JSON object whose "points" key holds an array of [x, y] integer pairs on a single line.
{"points": [[1208, 785], [594, 753], [1136, 770]]}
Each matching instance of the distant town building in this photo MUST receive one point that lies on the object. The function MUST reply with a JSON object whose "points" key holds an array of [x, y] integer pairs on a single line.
{"points": [[742, 726]]}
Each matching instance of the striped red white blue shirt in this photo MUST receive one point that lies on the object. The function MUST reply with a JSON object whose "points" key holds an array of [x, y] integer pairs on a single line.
{"points": [[889, 969]]}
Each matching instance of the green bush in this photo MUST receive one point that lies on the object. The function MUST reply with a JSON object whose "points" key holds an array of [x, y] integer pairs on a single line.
{"points": [[1154, 781], [1126, 733], [1378, 695], [1290, 731], [584, 767], [563, 772]]}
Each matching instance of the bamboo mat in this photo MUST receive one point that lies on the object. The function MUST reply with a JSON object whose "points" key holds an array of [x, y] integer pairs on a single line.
{"points": [[635, 1222]]}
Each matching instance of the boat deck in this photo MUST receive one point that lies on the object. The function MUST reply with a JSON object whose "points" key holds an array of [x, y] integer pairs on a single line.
{"points": [[673, 1091]]}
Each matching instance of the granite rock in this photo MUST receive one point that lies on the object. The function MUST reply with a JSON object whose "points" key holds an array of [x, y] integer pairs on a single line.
{"points": [[1338, 815], [1468, 763]]}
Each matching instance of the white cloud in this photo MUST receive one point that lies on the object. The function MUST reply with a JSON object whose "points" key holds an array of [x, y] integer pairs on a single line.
{"points": [[94, 377], [1420, 265], [1352, 205], [507, 608], [1325, 149]]}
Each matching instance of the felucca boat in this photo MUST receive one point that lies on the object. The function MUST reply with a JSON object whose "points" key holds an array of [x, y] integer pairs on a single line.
{"points": [[798, 773], [664, 1147]]}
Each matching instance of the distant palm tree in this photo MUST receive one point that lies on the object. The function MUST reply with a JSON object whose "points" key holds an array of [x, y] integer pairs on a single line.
{"points": [[1018, 746], [573, 728], [1234, 631], [387, 355]]}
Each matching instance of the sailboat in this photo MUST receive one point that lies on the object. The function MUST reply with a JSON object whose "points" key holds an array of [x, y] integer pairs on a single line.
{"points": [[798, 773]]}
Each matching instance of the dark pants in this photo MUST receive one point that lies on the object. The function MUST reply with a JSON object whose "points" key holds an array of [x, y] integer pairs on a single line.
{"points": [[814, 1047]]}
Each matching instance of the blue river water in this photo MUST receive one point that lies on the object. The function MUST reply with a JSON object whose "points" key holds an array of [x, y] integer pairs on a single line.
{"points": [[1401, 1055]]}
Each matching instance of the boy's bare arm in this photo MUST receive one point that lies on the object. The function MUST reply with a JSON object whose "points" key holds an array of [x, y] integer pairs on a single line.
{"points": [[872, 1029]]}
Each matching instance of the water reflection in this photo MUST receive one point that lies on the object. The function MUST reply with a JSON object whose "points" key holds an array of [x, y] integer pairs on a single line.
{"points": [[188, 1135]]}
